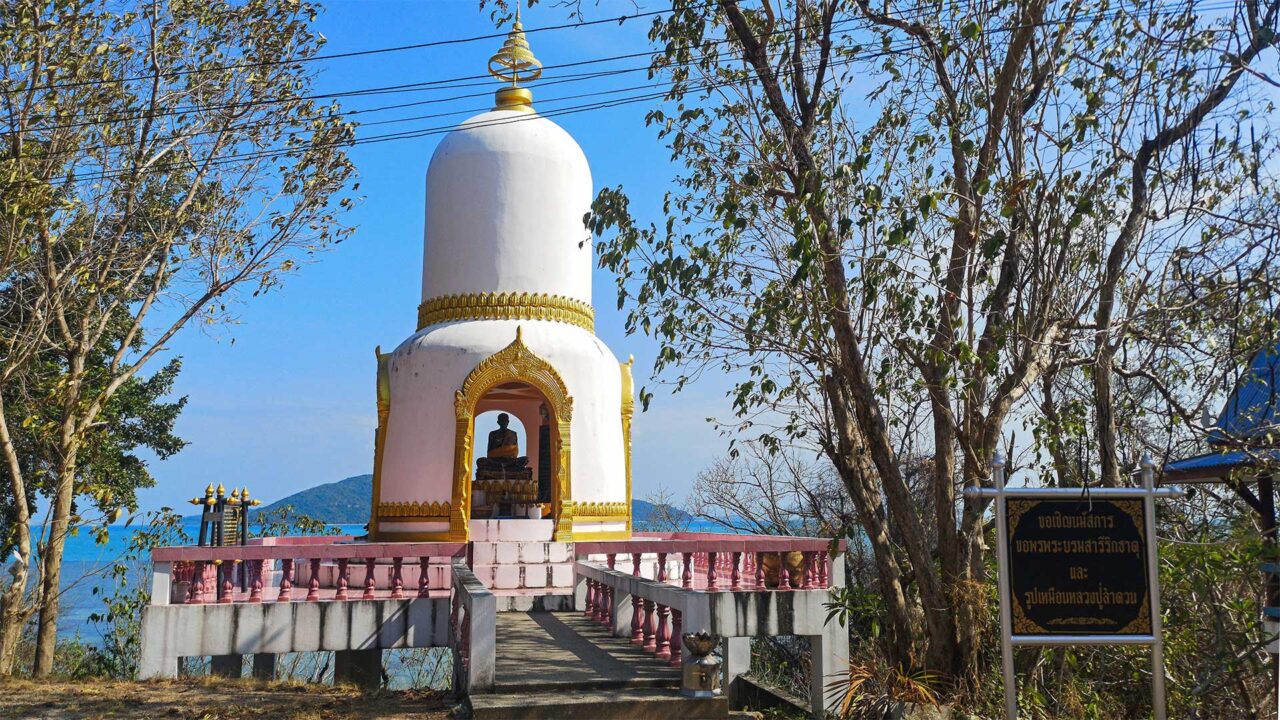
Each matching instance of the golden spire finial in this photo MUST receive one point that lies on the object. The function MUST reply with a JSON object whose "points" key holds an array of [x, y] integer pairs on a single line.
{"points": [[515, 63]]}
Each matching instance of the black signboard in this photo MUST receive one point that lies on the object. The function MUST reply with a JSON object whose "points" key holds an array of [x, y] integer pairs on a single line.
{"points": [[1078, 567]]}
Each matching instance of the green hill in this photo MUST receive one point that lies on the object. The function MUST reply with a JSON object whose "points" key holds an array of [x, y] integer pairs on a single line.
{"points": [[346, 502]]}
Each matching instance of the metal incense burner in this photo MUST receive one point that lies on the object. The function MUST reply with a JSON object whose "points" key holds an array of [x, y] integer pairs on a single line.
{"points": [[701, 666]]}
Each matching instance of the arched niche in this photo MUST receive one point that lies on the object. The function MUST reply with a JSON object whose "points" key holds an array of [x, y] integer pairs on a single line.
{"points": [[515, 367]]}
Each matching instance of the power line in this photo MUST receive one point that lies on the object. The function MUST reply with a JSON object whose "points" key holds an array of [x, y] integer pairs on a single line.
{"points": [[441, 129], [445, 83], [410, 134], [484, 79], [619, 19]]}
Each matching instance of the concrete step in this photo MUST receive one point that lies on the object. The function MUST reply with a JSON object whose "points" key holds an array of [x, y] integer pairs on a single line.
{"points": [[517, 552], [612, 704], [532, 576], [562, 685], [554, 600]]}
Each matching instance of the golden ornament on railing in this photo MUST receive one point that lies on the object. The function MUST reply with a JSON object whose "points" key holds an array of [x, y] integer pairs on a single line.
{"points": [[515, 63]]}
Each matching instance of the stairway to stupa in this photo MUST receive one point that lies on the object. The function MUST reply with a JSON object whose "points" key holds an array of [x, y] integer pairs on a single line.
{"points": [[563, 665], [526, 575]]}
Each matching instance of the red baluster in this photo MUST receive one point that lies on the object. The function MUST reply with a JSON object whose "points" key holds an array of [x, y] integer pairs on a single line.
{"points": [[637, 629], [228, 589], [602, 603], [663, 645], [823, 559], [424, 577], [313, 587], [712, 577], [759, 571], [370, 584], [255, 587], [676, 640], [195, 593], [612, 559], [662, 568], [342, 580], [735, 576], [286, 581], [590, 604], [609, 607], [650, 631], [807, 572], [686, 577], [397, 580], [784, 573]]}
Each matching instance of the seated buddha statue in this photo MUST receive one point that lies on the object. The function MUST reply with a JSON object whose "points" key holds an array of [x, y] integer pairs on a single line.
{"points": [[502, 450]]}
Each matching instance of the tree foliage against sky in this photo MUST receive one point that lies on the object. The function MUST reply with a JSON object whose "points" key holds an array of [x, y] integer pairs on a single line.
{"points": [[941, 229], [160, 162]]}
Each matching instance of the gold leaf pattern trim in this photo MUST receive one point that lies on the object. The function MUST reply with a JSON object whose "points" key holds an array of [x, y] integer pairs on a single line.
{"points": [[628, 409], [600, 509], [506, 306], [414, 510]]}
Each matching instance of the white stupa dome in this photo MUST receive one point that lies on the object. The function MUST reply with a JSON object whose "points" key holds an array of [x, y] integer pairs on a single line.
{"points": [[506, 325], [506, 194]]}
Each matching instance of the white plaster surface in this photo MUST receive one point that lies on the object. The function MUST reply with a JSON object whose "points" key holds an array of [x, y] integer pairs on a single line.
{"points": [[173, 631], [429, 368], [506, 195]]}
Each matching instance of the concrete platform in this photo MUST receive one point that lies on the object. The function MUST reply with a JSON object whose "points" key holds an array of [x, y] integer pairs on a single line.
{"points": [[636, 703]]}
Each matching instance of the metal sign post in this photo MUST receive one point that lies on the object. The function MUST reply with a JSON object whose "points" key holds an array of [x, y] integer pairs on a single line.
{"points": [[1097, 536]]}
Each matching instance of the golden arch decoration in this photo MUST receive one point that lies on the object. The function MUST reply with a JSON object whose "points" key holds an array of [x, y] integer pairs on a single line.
{"points": [[514, 363]]}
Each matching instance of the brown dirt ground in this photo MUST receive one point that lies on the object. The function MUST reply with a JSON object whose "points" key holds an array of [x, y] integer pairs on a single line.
{"points": [[204, 699]]}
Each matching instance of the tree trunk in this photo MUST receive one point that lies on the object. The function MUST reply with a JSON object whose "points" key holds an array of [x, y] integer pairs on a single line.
{"points": [[13, 618], [13, 612], [850, 460], [51, 569]]}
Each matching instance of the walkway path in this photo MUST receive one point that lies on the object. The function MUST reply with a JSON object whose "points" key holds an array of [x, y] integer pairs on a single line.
{"points": [[564, 665]]}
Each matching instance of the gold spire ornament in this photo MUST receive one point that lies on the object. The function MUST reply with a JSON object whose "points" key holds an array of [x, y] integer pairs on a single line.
{"points": [[515, 63]]}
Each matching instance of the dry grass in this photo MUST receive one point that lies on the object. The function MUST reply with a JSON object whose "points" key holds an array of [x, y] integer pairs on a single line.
{"points": [[202, 698]]}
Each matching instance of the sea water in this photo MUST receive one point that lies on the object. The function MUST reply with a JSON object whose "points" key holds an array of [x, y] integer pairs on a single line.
{"points": [[86, 564]]}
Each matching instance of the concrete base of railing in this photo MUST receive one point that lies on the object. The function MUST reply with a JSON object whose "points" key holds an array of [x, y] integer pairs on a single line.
{"points": [[475, 640], [173, 631], [735, 616]]}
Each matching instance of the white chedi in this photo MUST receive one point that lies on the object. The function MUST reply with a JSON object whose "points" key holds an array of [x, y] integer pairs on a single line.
{"points": [[506, 324]]}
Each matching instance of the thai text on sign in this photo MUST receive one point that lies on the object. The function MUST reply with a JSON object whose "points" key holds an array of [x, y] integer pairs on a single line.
{"points": [[1078, 567]]}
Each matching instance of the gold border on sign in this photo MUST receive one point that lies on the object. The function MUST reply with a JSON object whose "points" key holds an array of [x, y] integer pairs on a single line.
{"points": [[1022, 625], [506, 306]]}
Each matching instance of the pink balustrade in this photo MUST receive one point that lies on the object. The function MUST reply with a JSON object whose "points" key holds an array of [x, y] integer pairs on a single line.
{"points": [[308, 569], [704, 562], [722, 563]]}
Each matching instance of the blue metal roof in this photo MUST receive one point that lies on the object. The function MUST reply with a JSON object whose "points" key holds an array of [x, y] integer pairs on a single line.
{"points": [[1217, 465], [1252, 413]]}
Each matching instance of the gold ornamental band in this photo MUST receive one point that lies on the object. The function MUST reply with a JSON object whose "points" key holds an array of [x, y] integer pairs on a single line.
{"points": [[435, 511], [506, 306]]}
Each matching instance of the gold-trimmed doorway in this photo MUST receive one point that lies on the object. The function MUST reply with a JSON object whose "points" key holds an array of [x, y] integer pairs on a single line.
{"points": [[512, 371]]}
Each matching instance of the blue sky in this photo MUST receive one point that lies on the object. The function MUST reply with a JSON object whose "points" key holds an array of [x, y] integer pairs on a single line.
{"points": [[284, 399]]}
